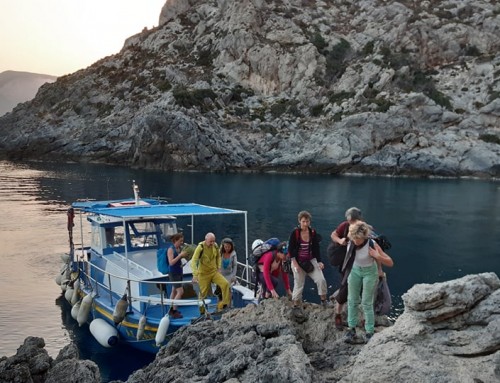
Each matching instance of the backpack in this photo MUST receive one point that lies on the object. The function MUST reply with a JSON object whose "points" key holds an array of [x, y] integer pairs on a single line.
{"points": [[260, 249], [382, 241], [162, 260]]}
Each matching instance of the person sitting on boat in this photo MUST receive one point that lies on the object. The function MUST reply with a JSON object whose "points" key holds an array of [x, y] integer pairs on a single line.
{"points": [[270, 266], [206, 263], [175, 255]]}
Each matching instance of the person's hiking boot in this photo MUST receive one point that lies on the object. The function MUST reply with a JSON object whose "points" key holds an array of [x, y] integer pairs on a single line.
{"points": [[368, 336], [175, 314], [338, 322], [350, 336]]}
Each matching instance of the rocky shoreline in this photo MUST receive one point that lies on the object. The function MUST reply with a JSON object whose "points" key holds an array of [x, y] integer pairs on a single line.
{"points": [[447, 333]]}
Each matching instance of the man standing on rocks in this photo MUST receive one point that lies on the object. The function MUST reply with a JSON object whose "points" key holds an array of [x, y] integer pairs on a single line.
{"points": [[206, 263]]}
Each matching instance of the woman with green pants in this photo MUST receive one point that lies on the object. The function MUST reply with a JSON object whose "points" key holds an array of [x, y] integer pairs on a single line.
{"points": [[363, 279]]}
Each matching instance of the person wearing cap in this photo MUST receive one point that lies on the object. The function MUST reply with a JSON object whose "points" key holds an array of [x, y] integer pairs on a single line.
{"points": [[229, 260], [340, 236], [270, 266]]}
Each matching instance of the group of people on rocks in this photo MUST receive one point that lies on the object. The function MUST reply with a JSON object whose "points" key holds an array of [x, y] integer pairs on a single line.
{"points": [[361, 269]]}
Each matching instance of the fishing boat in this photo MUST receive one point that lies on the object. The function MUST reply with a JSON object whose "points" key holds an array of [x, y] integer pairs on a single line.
{"points": [[110, 276]]}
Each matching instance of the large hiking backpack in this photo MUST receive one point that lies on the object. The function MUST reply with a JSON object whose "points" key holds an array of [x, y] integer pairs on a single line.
{"points": [[261, 248]]}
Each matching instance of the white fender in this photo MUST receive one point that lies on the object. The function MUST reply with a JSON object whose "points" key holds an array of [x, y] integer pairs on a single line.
{"points": [[75, 310], [141, 327], [76, 293], [120, 309], [85, 306], [103, 332], [65, 257], [161, 333], [58, 279], [69, 293], [64, 285]]}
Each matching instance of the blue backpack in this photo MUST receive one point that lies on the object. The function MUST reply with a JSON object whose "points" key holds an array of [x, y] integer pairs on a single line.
{"points": [[162, 260], [264, 247]]}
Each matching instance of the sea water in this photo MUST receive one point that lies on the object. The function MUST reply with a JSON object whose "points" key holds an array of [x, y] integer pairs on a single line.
{"points": [[440, 229]]}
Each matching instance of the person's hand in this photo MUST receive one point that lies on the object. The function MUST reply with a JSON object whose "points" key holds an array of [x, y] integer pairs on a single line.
{"points": [[183, 254], [343, 242], [233, 280], [289, 293], [194, 280], [321, 265], [274, 294], [373, 253]]}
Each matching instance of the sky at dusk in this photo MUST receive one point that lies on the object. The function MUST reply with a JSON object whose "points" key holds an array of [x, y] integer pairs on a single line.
{"points": [[58, 37]]}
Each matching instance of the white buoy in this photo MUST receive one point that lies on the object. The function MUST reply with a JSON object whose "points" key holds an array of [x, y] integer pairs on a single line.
{"points": [[85, 306], [141, 327], [76, 292], [161, 333], [75, 310], [103, 332], [120, 309], [64, 285], [69, 293]]}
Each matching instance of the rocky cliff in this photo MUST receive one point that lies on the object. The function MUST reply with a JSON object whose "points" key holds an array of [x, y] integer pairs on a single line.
{"points": [[291, 85], [448, 333]]}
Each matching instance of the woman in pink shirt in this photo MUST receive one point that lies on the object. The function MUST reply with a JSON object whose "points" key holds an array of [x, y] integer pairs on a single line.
{"points": [[270, 266]]}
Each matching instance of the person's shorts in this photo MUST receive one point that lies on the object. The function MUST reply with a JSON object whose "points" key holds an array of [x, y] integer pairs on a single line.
{"points": [[175, 278]]}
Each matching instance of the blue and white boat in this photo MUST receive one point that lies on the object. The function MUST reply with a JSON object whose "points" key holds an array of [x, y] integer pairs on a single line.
{"points": [[111, 279]]}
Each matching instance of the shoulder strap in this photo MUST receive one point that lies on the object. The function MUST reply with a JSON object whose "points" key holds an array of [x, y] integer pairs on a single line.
{"points": [[346, 230]]}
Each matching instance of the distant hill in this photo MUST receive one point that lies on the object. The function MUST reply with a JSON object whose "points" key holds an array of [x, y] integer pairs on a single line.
{"points": [[16, 87]]}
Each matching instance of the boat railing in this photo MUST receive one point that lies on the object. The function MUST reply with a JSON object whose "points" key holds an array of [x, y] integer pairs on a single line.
{"points": [[244, 277], [153, 298]]}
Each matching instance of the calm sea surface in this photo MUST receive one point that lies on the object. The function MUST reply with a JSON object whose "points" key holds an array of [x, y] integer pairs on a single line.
{"points": [[439, 229]]}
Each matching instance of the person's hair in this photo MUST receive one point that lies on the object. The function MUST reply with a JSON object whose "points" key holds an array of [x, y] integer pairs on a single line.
{"points": [[359, 230], [210, 235], [224, 241], [305, 214], [175, 237], [283, 248], [353, 213]]}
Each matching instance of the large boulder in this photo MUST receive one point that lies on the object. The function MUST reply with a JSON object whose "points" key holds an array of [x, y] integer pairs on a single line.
{"points": [[32, 364], [449, 332]]}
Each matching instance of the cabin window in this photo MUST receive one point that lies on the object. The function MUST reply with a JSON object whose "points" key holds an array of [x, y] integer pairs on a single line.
{"points": [[114, 236]]}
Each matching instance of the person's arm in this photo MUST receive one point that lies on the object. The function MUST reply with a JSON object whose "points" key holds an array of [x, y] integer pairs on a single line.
{"points": [[338, 236], [293, 250], [171, 259], [267, 260], [218, 256], [195, 262], [286, 281], [234, 266], [316, 252], [379, 255]]}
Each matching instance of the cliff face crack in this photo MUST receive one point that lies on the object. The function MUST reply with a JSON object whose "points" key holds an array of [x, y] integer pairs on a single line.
{"points": [[486, 352]]}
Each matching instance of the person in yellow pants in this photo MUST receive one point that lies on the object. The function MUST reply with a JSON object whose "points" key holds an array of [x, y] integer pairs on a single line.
{"points": [[205, 264]]}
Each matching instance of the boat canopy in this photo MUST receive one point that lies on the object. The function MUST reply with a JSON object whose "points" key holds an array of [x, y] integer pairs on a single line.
{"points": [[134, 212]]}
